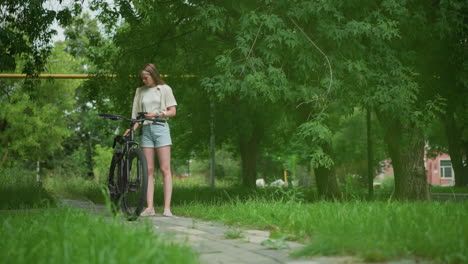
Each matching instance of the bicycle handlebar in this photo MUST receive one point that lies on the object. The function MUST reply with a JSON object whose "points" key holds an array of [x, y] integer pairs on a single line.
{"points": [[137, 120]]}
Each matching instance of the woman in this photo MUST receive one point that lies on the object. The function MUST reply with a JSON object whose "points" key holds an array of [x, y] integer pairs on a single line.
{"points": [[156, 98]]}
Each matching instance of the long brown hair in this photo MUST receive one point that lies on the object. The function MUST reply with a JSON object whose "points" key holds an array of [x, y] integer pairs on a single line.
{"points": [[151, 69]]}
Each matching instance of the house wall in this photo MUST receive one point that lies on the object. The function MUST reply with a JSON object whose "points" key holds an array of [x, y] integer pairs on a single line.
{"points": [[433, 173], [432, 166]]}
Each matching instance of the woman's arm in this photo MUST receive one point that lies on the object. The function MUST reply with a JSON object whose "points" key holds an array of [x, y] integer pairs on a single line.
{"points": [[135, 109], [171, 111], [135, 127]]}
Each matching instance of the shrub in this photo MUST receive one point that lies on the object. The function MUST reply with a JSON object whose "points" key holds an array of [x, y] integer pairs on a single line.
{"points": [[19, 190], [102, 160]]}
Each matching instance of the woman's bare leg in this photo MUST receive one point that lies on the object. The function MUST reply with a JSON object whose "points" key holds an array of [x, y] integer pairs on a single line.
{"points": [[164, 156], [149, 154]]}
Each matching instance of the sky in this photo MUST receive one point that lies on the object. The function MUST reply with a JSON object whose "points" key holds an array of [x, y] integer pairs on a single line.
{"points": [[55, 5]]}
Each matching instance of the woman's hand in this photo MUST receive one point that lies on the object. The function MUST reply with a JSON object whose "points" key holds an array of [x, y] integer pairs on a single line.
{"points": [[126, 132], [151, 115]]}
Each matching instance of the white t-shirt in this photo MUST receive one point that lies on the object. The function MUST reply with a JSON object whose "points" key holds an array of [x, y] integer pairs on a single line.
{"points": [[151, 100]]}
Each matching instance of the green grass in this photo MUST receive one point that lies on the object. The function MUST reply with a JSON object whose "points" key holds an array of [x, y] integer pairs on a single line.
{"points": [[183, 192], [75, 188], [451, 189], [65, 235], [19, 190], [233, 233], [375, 231]]}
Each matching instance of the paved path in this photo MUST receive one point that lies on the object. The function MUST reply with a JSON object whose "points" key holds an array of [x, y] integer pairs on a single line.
{"points": [[209, 240]]}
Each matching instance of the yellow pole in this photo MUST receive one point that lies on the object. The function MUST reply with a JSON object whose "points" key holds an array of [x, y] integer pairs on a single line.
{"points": [[74, 76], [54, 76], [285, 174]]}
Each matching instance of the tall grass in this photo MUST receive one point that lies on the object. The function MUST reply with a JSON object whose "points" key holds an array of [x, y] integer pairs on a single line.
{"points": [[74, 187], [19, 190], [184, 191], [376, 231], [449, 189], [66, 235], [183, 194], [373, 230]]}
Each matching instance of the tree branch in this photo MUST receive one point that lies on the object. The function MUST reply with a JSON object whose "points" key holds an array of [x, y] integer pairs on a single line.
{"points": [[326, 57]]}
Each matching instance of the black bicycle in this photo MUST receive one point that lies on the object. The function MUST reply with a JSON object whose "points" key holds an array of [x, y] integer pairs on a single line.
{"points": [[128, 173]]}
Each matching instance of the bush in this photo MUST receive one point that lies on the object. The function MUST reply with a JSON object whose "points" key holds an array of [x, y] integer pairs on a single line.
{"points": [[227, 167], [102, 160], [75, 187], [76, 163], [19, 190], [388, 183], [353, 184]]}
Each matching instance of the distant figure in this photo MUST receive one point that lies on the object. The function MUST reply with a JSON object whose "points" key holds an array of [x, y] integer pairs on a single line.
{"points": [[156, 98], [260, 183], [277, 183]]}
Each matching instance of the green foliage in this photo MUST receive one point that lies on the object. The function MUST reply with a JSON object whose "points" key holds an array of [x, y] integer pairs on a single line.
{"points": [[316, 134], [25, 33], [35, 128], [388, 183], [19, 190], [75, 164], [280, 78], [66, 235], [33, 113], [64, 185], [290, 195], [102, 161], [227, 166]]}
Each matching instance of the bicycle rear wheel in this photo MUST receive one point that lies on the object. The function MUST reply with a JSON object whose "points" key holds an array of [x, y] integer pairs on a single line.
{"points": [[136, 184], [113, 182]]}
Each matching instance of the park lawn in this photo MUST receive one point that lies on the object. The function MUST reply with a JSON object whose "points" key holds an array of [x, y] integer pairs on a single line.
{"points": [[66, 235], [21, 191], [375, 231], [75, 188], [449, 189]]}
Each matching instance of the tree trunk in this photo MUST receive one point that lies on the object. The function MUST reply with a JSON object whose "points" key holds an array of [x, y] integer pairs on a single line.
{"points": [[406, 148], [249, 148], [370, 156], [89, 155], [212, 147], [325, 178], [38, 170], [327, 184], [4, 157], [456, 146]]}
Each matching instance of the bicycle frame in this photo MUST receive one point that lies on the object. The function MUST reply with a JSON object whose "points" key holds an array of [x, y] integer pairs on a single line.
{"points": [[125, 146], [127, 143]]}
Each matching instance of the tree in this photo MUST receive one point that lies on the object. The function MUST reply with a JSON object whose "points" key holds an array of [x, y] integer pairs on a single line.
{"points": [[84, 42], [25, 33], [257, 61], [34, 120], [446, 75], [28, 110]]}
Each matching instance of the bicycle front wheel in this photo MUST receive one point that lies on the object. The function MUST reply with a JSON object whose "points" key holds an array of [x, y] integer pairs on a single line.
{"points": [[113, 182], [136, 184]]}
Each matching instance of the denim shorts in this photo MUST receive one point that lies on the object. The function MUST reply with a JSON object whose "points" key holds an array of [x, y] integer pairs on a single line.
{"points": [[155, 136]]}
